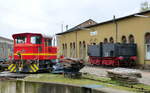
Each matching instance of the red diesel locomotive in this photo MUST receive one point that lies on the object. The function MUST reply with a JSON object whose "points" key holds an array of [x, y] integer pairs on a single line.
{"points": [[32, 52]]}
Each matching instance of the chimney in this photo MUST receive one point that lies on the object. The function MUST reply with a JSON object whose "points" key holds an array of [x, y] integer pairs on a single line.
{"points": [[66, 27]]}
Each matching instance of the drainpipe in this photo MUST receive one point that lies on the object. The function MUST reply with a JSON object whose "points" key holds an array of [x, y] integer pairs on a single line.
{"points": [[76, 46], [116, 26]]}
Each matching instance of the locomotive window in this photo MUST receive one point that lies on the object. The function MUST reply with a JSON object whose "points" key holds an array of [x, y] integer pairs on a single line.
{"points": [[49, 42], [35, 39], [20, 40]]}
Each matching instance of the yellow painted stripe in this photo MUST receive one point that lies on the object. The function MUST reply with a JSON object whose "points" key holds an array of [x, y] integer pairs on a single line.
{"points": [[41, 54], [34, 70], [10, 66], [13, 68], [30, 71], [35, 66]]}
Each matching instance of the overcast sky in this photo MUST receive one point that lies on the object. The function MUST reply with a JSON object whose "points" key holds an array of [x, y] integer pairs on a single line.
{"points": [[46, 16]]}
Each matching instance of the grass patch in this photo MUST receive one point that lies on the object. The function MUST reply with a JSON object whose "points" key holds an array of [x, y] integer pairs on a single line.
{"points": [[88, 79], [60, 79], [122, 85]]}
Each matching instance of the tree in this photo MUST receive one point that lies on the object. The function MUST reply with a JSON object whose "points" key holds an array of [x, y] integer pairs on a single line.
{"points": [[145, 6]]}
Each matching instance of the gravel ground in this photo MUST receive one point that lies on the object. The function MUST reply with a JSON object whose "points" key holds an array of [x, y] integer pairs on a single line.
{"points": [[95, 70], [102, 72]]}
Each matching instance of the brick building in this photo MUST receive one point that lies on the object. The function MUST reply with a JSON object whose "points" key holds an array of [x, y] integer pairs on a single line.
{"points": [[6, 48], [133, 28]]}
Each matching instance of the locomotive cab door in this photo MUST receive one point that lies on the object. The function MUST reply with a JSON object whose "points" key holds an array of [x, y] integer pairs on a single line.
{"points": [[36, 42], [47, 44]]}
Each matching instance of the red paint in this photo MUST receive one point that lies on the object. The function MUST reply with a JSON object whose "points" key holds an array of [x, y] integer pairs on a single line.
{"points": [[112, 61], [133, 58], [28, 48]]}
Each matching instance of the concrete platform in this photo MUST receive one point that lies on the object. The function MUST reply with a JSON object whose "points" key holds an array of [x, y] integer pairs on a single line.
{"points": [[12, 75]]}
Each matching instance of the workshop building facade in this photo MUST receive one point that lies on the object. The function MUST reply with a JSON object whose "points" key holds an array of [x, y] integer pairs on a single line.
{"points": [[133, 28], [6, 48]]}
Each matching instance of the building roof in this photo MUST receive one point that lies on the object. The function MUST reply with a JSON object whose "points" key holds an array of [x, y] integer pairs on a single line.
{"points": [[109, 21], [3, 38], [82, 25]]}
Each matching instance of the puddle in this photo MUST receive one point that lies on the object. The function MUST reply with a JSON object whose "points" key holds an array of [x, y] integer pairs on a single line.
{"points": [[35, 87]]}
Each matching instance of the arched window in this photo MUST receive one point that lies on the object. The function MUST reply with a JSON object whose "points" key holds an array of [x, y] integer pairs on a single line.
{"points": [[70, 49], [84, 50], [74, 49], [147, 46], [123, 39], [63, 46], [65, 50], [131, 39], [111, 40], [94, 44], [105, 40], [80, 49], [147, 38]]}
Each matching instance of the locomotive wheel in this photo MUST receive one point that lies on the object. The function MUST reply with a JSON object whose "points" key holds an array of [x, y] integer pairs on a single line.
{"points": [[133, 63], [50, 70]]}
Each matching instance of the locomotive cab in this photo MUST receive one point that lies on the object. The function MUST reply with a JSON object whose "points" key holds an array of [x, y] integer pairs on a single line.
{"points": [[26, 45], [32, 52]]}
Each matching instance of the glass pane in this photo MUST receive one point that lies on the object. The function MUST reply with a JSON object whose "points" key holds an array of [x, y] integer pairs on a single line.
{"points": [[33, 40], [49, 42], [147, 38], [36, 40], [147, 51], [21, 40]]}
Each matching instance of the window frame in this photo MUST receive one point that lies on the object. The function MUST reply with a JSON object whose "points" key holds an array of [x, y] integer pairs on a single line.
{"points": [[71, 47], [19, 37], [146, 52], [105, 40], [123, 39], [111, 40], [130, 37], [145, 46], [36, 39]]}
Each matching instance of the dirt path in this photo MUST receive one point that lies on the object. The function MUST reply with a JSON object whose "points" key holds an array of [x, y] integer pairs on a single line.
{"points": [[101, 71], [145, 77]]}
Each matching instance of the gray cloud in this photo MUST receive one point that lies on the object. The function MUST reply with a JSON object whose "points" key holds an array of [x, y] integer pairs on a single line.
{"points": [[46, 16]]}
